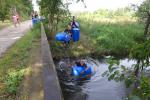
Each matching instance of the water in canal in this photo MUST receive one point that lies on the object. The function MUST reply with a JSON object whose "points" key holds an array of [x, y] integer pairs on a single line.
{"points": [[98, 88]]}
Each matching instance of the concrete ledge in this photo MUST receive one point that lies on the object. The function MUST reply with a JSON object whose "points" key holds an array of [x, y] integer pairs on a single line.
{"points": [[52, 90]]}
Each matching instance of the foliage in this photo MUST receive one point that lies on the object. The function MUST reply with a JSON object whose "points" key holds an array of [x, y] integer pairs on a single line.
{"points": [[144, 88], [143, 13], [112, 13], [4, 11], [13, 80], [119, 72], [14, 62], [54, 11], [144, 10], [111, 35], [141, 53], [134, 75], [9, 7]]}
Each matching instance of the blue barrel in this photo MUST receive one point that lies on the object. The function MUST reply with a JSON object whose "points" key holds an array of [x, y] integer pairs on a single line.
{"points": [[75, 34], [76, 71], [34, 21], [62, 36]]}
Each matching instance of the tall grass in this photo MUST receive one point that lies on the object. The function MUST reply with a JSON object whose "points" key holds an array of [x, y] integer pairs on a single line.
{"points": [[114, 35]]}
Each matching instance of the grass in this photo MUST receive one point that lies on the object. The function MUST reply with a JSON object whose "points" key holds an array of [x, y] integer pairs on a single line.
{"points": [[14, 63], [111, 35]]}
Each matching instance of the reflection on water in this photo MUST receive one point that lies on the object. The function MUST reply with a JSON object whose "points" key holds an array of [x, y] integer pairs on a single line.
{"points": [[98, 88]]}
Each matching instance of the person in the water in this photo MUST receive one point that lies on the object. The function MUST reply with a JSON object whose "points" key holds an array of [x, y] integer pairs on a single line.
{"points": [[82, 63]]}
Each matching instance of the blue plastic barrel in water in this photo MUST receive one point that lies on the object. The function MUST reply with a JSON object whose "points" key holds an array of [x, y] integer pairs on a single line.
{"points": [[62, 36], [76, 71], [75, 34]]}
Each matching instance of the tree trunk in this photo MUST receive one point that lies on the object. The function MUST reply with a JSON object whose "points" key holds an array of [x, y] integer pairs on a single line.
{"points": [[136, 73], [147, 26], [147, 60], [3, 20]]}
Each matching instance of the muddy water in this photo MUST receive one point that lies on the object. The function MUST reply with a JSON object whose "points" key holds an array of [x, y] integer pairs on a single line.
{"points": [[98, 88]]}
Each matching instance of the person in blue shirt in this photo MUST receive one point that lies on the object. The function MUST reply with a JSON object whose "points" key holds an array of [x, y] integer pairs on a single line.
{"points": [[68, 36]]}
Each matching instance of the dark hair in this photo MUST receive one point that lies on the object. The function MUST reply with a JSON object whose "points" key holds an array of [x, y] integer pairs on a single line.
{"points": [[78, 63], [84, 65]]}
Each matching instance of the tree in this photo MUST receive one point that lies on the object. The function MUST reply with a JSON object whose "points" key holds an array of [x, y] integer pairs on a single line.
{"points": [[4, 11], [55, 11], [24, 7], [143, 13], [9, 7]]}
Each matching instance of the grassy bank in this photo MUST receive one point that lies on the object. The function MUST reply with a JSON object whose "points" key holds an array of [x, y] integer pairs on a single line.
{"points": [[75, 49], [101, 35], [14, 63]]}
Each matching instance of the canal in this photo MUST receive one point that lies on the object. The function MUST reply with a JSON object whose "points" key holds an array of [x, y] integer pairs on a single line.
{"points": [[97, 88]]}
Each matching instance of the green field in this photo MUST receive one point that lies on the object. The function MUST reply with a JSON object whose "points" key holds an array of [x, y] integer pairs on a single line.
{"points": [[111, 35]]}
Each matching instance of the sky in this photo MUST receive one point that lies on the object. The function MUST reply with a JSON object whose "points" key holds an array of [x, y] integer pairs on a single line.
{"points": [[104, 4], [35, 5], [92, 5]]}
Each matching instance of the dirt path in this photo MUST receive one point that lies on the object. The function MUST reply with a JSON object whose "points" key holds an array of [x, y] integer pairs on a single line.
{"points": [[11, 34]]}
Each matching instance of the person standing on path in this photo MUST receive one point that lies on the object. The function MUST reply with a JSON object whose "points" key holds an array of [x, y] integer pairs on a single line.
{"points": [[14, 18], [18, 18]]}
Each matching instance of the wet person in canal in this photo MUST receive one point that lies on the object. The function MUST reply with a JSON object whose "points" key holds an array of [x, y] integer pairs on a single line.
{"points": [[84, 65]]}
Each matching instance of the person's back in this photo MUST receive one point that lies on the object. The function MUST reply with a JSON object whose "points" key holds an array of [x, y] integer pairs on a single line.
{"points": [[35, 14], [18, 18]]}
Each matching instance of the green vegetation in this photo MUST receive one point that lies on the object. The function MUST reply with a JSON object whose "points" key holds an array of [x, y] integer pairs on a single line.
{"points": [[9, 7], [111, 35], [143, 13], [106, 31], [137, 75], [14, 63], [55, 11], [119, 32]]}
